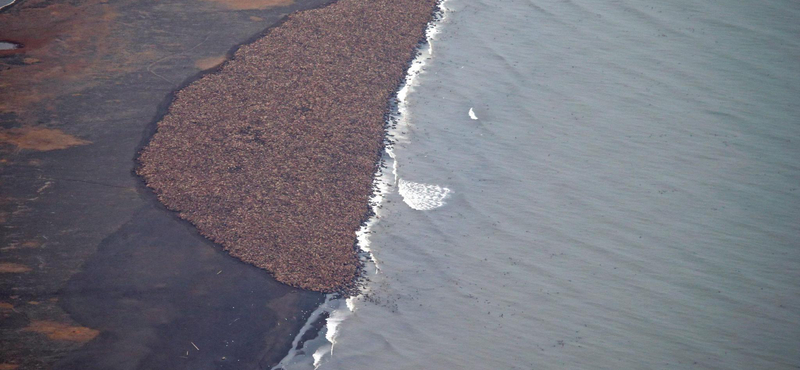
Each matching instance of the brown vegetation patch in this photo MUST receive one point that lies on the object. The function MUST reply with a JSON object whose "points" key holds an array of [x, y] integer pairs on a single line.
{"points": [[210, 62], [7, 267], [6, 306], [29, 244], [252, 4], [60, 331], [8, 366], [38, 138], [273, 157]]}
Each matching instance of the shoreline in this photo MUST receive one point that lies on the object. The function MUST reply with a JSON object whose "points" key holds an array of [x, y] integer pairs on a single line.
{"points": [[338, 308]]}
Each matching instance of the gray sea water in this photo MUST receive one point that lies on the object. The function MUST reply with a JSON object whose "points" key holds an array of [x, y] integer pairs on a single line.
{"points": [[627, 198], [6, 3]]}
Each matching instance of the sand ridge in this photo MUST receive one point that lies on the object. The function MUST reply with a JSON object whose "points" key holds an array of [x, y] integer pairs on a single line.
{"points": [[273, 156]]}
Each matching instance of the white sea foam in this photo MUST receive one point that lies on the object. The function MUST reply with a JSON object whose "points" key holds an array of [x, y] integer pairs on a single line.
{"points": [[351, 303], [319, 354], [333, 326], [422, 197]]}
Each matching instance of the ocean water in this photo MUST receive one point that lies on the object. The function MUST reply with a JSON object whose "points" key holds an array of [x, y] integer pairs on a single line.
{"points": [[6, 3], [586, 185]]}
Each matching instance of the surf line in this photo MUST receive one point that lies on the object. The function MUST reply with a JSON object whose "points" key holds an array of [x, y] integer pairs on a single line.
{"points": [[336, 307], [3, 7]]}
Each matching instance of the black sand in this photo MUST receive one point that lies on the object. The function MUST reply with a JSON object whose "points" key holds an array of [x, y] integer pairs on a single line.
{"points": [[94, 272]]}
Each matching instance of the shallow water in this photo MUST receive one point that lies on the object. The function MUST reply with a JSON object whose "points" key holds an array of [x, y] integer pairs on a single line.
{"points": [[628, 196], [5, 45]]}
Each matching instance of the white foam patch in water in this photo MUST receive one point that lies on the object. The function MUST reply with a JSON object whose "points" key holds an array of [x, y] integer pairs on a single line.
{"points": [[472, 114], [333, 326], [319, 354], [351, 303], [422, 197]]}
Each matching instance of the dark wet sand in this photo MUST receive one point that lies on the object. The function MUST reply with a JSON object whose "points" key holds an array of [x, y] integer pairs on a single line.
{"points": [[273, 157], [94, 272]]}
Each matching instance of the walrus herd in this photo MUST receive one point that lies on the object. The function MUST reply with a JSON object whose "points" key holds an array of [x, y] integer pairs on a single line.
{"points": [[273, 155]]}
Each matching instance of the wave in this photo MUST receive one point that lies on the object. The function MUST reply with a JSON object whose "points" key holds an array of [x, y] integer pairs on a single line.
{"points": [[422, 197]]}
